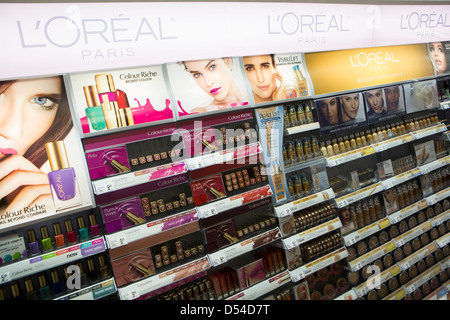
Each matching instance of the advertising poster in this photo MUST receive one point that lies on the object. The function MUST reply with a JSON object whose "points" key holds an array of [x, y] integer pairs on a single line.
{"points": [[120, 98], [42, 170], [440, 55], [340, 112], [201, 86], [384, 103], [274, 77], [421, 95], [270, 122]]}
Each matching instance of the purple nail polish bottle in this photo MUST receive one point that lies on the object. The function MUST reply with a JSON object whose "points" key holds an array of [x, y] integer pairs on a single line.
{"points": [[32, 242], [63, 182]]}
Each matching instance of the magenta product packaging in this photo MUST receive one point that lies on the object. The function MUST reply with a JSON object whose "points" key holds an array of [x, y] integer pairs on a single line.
{"points": [[107, 162], [123, 214]]}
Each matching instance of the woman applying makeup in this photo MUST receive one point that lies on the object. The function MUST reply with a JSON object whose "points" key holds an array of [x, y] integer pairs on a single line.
{"points": [[34, 112], [215, 78]]}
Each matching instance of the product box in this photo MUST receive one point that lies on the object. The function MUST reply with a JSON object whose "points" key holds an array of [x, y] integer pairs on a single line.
{"points": [[123, 214], [251, 274], [133, 267], [208, 189], [301, 291], [425, 152], [12, 247], [111, 99], [107, 162], [221, 235], [421, 95]]}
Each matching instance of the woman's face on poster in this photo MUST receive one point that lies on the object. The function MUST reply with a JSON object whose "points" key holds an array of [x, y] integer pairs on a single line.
{"points": [[375, 100], [28, 109], [260, 74], [350, 106], [392, 97], [328, 109], [212, 76], [438, 55]]}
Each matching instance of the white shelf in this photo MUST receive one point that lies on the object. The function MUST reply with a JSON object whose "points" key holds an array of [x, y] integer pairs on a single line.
{"points": [[303, 128], [305, 202], [407, 211], [358, 195], [371, 256], [355, 236]]}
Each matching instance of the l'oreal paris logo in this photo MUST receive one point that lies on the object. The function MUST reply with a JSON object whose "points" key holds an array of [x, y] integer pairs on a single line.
{"points": [[415, 20], [291, 23], [364, 59], [63, 31]]}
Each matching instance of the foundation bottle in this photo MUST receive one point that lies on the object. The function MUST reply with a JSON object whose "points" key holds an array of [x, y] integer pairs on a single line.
{"points": [[389, 132], [329, 148], [400, 200], [412, 127], [347, 144], [378, 209], [341, 145], [408, 127], [307, 148], [428, 121], [359, 216], [285, 157], [366, 213], [358, 140], [291, 187], [363, 139], [380, 134], [298, 192], [405, 195], [372, 212], [422, 123], [410, 193], [314, 146], [323, 149], [308, 115], [384, 133], [292, 158], [416, 124], [292, 116], [305, 183], [299, 150], [374, 136], [287, 123], [335, 146], [402, 128], [352, 142], [301, 115], [368, 137]]}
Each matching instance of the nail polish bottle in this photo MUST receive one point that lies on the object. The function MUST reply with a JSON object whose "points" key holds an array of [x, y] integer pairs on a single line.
{"points": [[44, 289], [30, 293], [62, 178], [2, 294], [82, 229], [32, 242], [93, 272], [83, 276], [45, 239], [94, 112], [57, 286], [58, 235], [70, 233], [94, 227]]}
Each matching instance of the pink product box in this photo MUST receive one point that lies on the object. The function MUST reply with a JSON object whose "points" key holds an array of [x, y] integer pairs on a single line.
{"points": [[133, 267], [123, 214], [208, 189], [107, 162], [251, 274]]}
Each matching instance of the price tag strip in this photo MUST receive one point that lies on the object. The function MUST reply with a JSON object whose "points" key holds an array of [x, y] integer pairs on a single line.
{"points": [[401, 178], [355, 236], [125, 180], [441, 195], [51, 259], [223, 156], [358, 195], [444, 240], [363, 288], [436, 164], [349, 295], [237, 249], [94, 292], [315, 232], [398, 294], [154, 282], [303, 203], [263, 287], [440, 218], [216, 207], [311, 267], [371, 256], [425, 276], [349, 156], [417, 256], [393, 142], [407, 211], [419, 134], [303, 128], [145, 230], [412, 233]]}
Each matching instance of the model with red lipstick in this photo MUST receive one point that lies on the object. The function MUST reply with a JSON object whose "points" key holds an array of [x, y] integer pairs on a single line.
{"points": [[34, 112], [214, 77], [262, 76], [439, 57]]}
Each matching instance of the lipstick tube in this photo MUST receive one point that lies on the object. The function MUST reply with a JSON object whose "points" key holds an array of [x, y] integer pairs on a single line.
{"points": [[62, 178], [58, 235], [94, 112], [94, 228], [144, 271], [108, 100], [32, 242], [216, 192], [116, 165], [125, 114], [45, 239], [70, 233], [82, 229], [133, 218]]}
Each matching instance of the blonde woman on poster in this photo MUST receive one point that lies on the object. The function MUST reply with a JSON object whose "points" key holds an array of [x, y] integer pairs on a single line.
{"points": [[34, 112]]}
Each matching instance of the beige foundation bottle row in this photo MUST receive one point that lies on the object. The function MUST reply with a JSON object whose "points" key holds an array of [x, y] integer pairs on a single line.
{"points": [[365, 138]]}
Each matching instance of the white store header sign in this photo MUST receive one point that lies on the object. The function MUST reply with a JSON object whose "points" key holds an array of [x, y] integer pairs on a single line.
{"points": [[55, 38]]}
